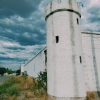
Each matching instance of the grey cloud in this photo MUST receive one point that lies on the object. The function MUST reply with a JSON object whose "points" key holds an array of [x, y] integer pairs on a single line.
{"points": [[16, 48], [25, 20], [91, 17], [94, 19], [94, 10], [94, 15], [11, 59], [17, 31], [22, 24], [18, 7], [2, 53], [16, 54]]}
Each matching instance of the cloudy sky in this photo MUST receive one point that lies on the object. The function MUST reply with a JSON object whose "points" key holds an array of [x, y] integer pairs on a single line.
{"points": [[22, 28]]}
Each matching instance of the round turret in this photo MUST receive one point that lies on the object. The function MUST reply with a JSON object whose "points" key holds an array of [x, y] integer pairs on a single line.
{"points": [[64, 45], [62, 5]]}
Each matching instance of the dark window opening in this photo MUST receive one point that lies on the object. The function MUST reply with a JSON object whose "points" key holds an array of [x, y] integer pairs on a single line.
{"points": [[57, 39], [80, 59], [45, 52], [77, 21]]}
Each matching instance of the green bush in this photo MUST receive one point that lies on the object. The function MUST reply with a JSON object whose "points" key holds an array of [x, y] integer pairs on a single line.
{"points": [[98, 93], [40, 86], [9, 87], [42, 80], [13, 91], [15, 86]]}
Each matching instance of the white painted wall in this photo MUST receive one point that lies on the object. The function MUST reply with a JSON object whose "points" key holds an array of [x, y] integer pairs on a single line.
{"points": [[36, 64], [22, 68], [91, 52], [87, 46], [65, 72]]}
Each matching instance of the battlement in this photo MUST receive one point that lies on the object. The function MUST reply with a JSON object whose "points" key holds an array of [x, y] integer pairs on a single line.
{"points": [[62, 5]]}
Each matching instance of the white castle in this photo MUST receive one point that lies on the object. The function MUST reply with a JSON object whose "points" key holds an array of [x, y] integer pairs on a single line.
{"points": [[73, 58]]}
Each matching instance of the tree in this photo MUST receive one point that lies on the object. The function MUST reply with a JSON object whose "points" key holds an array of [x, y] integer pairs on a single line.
{"points": [[18, 72], [2, 71]]}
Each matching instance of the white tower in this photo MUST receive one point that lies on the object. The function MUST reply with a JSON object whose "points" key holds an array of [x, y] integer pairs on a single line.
{"points": [[64, 65]]}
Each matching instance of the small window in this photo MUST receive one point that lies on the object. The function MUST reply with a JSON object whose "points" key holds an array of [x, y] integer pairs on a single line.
{"points": [[45, 52], [77, 21], [80, 59], [57, 39]]}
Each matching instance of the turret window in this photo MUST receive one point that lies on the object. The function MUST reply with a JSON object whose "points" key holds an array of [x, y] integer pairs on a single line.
{"points": [[77, 21], [80, 59], [45, 52], [57, 39]]}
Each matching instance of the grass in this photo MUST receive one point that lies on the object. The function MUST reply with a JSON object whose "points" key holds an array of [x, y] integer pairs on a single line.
{"points": [[24, 88], [9, 87]]}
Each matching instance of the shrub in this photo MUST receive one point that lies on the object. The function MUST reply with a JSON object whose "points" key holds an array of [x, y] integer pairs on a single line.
{"points": [[91, 96], [25, 83], [13, 91], [98, 94], [40, 86], [42, 80], [9, 87], [18, 72], [24, 86]]}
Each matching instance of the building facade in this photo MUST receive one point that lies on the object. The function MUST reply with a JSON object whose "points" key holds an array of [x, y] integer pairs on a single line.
{"points": [[72, 56], [90, 61], [91, 57]]}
